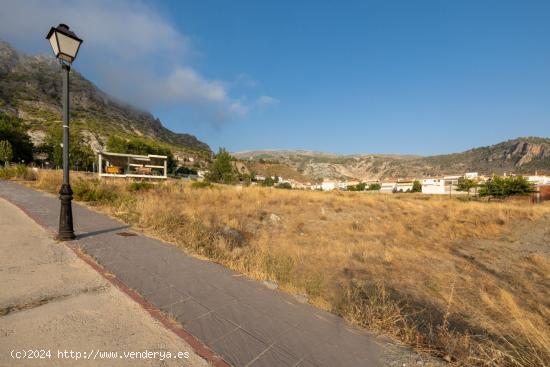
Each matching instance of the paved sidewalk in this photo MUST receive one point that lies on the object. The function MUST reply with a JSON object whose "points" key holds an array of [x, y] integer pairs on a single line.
{"points": [[51, 300], [238, 318]]}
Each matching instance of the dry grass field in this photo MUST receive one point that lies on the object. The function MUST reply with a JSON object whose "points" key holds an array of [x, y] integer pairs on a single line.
{"points": [[465, 280]]}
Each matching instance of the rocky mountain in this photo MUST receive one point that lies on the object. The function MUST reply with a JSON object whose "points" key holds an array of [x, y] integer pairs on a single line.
{"points": [[31, 87], [521, 155]]}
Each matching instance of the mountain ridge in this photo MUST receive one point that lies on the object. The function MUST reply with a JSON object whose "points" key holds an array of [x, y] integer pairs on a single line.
{"points": [[30, 87], [520, 155]]}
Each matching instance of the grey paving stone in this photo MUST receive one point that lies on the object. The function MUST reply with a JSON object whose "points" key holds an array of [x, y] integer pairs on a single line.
{"points": [[355, 341], [188, 310], [299, 343], [305, 363], [191, 285], [330, 355], [168, 296], [239, 348], [210, 327], [211, 297], [255, 322], [274, 358], [138, 278]]}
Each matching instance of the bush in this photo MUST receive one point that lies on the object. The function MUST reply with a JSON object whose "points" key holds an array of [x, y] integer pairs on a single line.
{"points": [[417, 186], [374, 187], [268, 182], [200, 184], [465, 184], [140, 186], [6, 152], [20, 172], [93, 191], [359, 187], [502, 187], [284, 185]]}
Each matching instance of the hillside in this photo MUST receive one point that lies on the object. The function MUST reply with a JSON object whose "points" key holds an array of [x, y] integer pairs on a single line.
{"points": [[31, 87], [521, 155]]}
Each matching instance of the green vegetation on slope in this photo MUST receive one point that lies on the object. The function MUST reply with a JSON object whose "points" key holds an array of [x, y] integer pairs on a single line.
{"points": [[31, 88]]}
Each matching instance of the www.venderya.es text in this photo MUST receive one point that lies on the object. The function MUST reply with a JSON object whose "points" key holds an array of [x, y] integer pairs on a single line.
{"points": [[95, 354]]}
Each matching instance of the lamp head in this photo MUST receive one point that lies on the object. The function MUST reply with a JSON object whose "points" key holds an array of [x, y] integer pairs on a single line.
{"points": [[65, 44]]}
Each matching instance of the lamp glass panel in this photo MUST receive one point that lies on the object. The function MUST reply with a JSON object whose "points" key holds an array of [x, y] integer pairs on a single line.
{"points": [[53, 43], [67, 45]]}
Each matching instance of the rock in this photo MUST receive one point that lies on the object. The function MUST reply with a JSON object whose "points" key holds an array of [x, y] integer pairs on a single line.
{"points": [[274, 218], [233, 237], [447, 358], [270, 284], [302, 298]]}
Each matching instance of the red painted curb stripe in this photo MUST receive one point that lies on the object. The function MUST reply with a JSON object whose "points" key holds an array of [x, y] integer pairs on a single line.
{"points": [[198, 347]]}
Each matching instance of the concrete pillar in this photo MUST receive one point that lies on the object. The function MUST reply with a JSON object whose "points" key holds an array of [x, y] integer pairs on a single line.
{"points": [[100, 166]]}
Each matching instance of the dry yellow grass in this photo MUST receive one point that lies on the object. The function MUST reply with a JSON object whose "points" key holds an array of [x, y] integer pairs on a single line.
{"points": [[463, 280]]}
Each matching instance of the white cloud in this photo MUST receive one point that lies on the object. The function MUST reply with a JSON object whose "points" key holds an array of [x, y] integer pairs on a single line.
{"points": [[264, 101], [245, 80], [133, 51]]}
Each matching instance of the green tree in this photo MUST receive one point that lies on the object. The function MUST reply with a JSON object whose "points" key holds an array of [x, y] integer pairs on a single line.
{"points": [[359, 187], [221, 170], [417, 186], [284, 185], [465, 184], [374, 187], [14, 131], [183, 170], [268, 181], [506, 186], [6, 152], [81, 156]]}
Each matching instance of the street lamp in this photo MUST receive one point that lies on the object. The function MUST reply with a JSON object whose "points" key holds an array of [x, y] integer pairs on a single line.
{"points": [[65, 45]]}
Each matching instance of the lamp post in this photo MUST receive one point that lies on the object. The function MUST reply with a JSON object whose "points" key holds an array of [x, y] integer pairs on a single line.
{"points": [[65, 45]]}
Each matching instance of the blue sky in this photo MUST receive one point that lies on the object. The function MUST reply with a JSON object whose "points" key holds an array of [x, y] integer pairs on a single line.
{"points": [[419, 77]]}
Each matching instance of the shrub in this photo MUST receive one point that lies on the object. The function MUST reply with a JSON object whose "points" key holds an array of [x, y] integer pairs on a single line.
{"points": [[269, 181], [284, 185], [20, 172], [200, 184], [140, 186], [417, 186], [6, 152], [93, 191], [359, 187], [506, 186], [465, 184], [374, 187]]}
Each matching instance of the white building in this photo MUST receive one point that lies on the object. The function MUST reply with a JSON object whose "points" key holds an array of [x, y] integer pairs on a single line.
{"points": [[471, 175], [388, 187], [441, 185], [539, 180], [329, 185], [404, 186], [433, 186]]}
